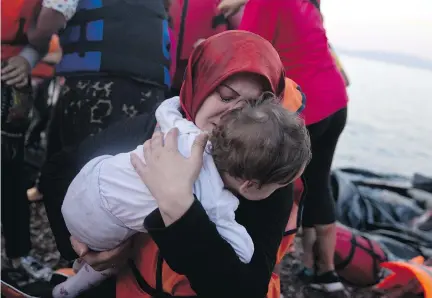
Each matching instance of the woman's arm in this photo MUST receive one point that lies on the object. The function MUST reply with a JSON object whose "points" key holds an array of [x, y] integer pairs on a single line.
{"points": [[193, 247], [52, 17], [189, 241], [49, 22]]}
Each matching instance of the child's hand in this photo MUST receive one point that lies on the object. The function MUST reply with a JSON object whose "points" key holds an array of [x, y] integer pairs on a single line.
{"points": [[230, 7], [16, 72]]}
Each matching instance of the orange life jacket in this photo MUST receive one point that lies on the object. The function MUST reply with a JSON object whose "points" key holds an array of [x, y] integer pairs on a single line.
{"points": [[149, 275], [45, 70], [16, 16], [403, 273]]}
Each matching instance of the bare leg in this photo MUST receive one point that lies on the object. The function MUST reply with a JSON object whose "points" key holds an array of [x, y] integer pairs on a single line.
{"points": [[326, 242], [308, 240]]}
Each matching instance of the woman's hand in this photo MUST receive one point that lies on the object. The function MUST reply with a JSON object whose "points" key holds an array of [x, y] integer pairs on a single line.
{"points": [[100, 261], [168, 175]]}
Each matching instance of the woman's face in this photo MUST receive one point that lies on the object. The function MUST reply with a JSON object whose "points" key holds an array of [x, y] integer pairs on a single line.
{"points": [[226, 97]]}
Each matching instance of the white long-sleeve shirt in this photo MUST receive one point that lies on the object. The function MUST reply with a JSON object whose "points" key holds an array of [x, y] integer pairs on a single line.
{"points": [[107, 202]]}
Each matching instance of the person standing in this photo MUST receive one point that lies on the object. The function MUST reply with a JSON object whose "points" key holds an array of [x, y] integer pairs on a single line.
{"points": [[193, 21], [43, 79], [296, 30], [18, 58], [116, 65]]}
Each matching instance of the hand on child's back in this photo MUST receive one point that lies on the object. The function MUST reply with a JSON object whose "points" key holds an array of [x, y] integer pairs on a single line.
{"points": [[168, 174], [100, 261]]}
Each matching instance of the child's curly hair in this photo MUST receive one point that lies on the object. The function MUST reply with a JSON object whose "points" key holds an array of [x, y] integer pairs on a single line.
{"points": [[261, 141]]}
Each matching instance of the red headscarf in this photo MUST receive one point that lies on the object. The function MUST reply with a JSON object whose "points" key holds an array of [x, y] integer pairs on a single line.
{"points": [[223, 55]]}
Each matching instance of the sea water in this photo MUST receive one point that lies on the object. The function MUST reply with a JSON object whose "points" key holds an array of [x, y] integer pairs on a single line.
{"points": [[389, 126]]}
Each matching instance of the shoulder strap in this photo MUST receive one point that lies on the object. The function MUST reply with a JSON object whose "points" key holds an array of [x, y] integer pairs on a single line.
{"points": [[140, 280], [182, 30], [157, 292]]}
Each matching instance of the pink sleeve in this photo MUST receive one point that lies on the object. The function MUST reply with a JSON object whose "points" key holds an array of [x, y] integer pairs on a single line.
{"points": [[173, 52], [260, 17]]}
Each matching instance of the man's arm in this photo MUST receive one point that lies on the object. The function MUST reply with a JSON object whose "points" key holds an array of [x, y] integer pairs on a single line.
{"points": [[52, 17]]}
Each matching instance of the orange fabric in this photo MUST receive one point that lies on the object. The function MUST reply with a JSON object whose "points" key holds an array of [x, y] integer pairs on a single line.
{"points": [[404, 272], [294, 99], [65, 271], [9, 292], [11, 14], [45, 70], [287, 242], [145, 259], [173, 283], [274, 287], [54, 45], [146, 253]]}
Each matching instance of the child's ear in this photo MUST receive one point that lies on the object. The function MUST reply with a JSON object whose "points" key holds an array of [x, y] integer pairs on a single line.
{"points": [[246, 187]]}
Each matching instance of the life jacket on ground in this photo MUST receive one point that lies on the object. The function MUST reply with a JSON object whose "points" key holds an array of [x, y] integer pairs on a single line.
{"points": [[413, 275], [45, 70], [16, 16], [357, 258], [149, 275], [118, 37], [193, 20]]}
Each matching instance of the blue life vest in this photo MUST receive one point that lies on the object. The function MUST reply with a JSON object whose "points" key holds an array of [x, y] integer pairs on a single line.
{"points": [[121, 37]]}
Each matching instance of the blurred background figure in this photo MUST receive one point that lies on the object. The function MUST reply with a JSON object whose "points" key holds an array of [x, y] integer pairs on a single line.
{"points": [[194, 20], [18, 57], [116, 67], [44, 85]]}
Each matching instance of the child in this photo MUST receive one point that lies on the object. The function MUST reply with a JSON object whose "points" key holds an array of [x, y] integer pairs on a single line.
{"points": [[256, 149]]}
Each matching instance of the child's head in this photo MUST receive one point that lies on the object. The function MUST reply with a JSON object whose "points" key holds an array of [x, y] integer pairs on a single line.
{"points": [[259, 148]]}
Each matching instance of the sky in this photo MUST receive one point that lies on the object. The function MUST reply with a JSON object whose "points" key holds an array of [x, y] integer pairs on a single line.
{"points": [[397, 26]]}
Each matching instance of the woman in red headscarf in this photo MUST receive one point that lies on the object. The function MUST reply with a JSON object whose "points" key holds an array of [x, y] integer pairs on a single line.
{"points": [[185, 255]]}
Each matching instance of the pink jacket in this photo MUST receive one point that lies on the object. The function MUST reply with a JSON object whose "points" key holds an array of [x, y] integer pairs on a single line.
{"points": [[296, 30]]}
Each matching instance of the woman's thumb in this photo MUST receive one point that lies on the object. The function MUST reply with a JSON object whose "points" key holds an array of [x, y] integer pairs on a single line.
{"points": [[80, 248], [199, 146]]}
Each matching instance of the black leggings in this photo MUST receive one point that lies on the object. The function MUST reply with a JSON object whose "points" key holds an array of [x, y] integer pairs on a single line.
{"points": [[43, 112], [15, 212], [319, 206]]}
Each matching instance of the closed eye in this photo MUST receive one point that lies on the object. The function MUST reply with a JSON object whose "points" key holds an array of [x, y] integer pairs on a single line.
{"points": [[226, 93]]}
